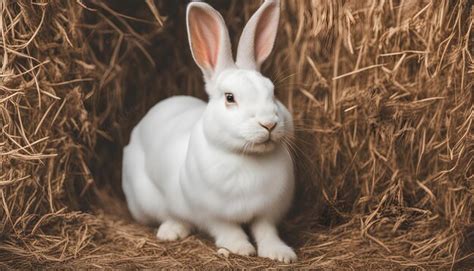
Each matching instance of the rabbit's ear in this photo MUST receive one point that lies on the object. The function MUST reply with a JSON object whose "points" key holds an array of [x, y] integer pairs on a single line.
{"points": [[209, 39], [259, 35]]}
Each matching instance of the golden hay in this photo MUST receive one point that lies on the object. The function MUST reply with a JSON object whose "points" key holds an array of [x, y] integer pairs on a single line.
{"points": [[382, 95]]}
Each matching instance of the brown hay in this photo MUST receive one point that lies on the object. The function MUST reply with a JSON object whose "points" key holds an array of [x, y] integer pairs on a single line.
{"points": [[382, 96]]}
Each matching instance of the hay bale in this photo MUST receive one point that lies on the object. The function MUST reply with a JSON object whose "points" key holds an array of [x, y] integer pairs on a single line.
{"points": [[382, 97]]}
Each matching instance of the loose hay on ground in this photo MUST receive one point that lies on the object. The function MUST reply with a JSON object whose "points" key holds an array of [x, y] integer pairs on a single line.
{"points": [[382, 96]]}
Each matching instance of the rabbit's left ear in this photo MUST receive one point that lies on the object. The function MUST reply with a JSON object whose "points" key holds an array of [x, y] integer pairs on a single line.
{"points": [[259, 35]]}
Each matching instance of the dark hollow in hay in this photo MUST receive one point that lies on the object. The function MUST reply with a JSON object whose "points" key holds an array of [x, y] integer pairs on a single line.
{"points": [[381, 92]]}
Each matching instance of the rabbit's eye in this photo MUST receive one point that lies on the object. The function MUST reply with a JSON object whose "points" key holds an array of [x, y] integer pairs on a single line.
{"points": [[229, 98]]}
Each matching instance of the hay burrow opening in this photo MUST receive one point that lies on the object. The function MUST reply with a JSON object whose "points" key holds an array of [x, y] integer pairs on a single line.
{"points": [[381, 92]]}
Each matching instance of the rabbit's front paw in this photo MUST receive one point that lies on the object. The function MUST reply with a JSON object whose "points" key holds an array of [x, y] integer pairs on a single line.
{"points": [[171, 230], [277, 251], [240, 247]]}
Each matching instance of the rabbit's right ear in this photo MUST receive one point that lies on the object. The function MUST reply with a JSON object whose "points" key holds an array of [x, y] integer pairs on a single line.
{"points": [[209, 39]]}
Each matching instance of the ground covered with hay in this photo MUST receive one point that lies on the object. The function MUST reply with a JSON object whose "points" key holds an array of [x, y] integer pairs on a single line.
{"points": [[381, 92]]}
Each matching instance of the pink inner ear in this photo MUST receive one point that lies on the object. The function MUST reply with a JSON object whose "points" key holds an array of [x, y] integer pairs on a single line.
{"points": [[205, 37], [265, 34]]}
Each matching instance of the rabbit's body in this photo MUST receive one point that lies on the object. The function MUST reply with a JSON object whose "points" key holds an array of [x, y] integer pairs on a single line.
{"points": [[176, 172], [154, 156], [219, 164], [233, 188]]}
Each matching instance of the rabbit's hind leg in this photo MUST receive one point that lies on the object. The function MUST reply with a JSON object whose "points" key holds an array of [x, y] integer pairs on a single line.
{"points": [[171, 230], [145, 201]]}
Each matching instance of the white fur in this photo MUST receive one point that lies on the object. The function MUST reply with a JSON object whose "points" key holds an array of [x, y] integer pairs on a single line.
{"points": [[213, 165]]}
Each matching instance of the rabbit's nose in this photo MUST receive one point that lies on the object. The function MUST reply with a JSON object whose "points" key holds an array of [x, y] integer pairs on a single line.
{"points": [[268, 125]]}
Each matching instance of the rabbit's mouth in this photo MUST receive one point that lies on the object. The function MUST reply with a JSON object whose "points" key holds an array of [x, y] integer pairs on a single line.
{"points": [[260, 143]]}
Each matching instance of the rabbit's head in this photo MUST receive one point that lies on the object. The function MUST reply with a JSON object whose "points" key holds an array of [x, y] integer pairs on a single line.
{"points": [[243, 113]]}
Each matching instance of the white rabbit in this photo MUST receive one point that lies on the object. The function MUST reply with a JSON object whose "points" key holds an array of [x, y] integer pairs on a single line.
{"points": [[218, 165]]}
